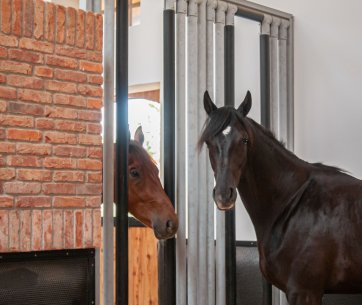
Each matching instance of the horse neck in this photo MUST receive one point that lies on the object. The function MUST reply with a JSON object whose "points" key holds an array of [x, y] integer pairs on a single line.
{"points": [[271, 177]]}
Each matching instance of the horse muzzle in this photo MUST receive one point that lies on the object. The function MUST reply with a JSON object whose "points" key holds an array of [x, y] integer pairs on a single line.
{"points": [[225, 200], [165, 230]]}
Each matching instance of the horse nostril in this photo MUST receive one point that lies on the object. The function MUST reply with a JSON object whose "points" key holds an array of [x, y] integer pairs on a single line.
{"points": [[231, 193], [169, 226]]}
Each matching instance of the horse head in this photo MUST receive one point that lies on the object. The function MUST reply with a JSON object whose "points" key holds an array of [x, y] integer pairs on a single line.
{"points": [[147, 200], [226, 137]]}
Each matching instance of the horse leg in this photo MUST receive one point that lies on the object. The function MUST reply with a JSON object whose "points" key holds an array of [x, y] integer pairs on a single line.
{"points": [[304, 298]]}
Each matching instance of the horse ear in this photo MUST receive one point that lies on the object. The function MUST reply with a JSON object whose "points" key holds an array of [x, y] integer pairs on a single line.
{"points": [[139, 136], [245, 106], [208, 104]]}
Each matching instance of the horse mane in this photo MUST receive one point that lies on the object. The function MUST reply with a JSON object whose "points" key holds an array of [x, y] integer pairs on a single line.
{"points": [[226, 115], [142, 155]]}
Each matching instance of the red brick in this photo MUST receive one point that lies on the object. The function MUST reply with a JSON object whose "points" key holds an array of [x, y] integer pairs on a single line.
{"points": [[70, 151], [93, 103], [14, 217], [33, 202], [6, 201], [88, 164], [80, 29], [94, 128], [36, 232], [44, 123], [25, 230], [47, 230], [60, 86], [23, 108], [22, 187], [14, 230], [15, 120], [88, 228], [69, 51], [2, 137], [94, 177], [89, 189], [69, 176], [93, 201], [97, 229], [60, 138], [39, 19], [70, 29], [68, 229], [69, 202], [99, 32], [70, 126], [59, 188], [28, 18], [89, 115], [86, 139], [7, 93], [90, 66], [88, 90], [43, 71], [3, 52], [59, 163], [7, 173], [24, 161], [25, 82], [73, 76], [5, 17], [79, 220], [58, 229], [15, 67], [3, 106], [49, 21], [4, 231], [33, 149], [2, 79], [60, 112], [27, 56], [59, 61], [95, 79], [24, 135], [8, 41], [7, 148], [72, 100], [60, 23], [36, 45], [34, 175], [89, 41], [17, 14], [95, 152]]}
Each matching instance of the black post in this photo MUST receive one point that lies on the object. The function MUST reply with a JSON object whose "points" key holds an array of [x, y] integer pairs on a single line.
{"points": [[230, 246], [265, 121], [121, 183], [166, 249]]}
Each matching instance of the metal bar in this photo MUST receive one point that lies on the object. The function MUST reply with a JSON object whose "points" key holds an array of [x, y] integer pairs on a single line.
{"points": [[121, 184], [192, 166], [264, 80], [181, 159], [167, 262], [108, 154], [290, 64], [274, 78], [230, 248]]}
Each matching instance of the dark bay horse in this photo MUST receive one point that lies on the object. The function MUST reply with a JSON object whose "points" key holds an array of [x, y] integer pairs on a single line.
{"points": [[147, 200], [307, 217]]}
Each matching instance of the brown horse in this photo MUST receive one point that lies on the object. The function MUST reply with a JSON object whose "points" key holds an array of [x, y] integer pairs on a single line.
{"points": [[147, 200], [307, 217]]}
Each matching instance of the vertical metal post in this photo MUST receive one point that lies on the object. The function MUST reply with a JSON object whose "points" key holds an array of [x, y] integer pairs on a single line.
{"points": [[121, 185], [265, 108], [166, 251]]}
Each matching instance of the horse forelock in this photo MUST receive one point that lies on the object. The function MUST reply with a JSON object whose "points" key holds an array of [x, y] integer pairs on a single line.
{"points": [[217, 122]]}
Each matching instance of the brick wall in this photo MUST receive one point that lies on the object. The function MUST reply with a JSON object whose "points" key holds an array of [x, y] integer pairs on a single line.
{"points": [[50, 142]]}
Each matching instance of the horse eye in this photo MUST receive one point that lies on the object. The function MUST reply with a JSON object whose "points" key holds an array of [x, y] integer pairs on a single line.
{"points": [[245, 140], [134, 173]]}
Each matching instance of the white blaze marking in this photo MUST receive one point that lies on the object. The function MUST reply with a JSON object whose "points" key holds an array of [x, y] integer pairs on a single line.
{"points": [[226, 131]]}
